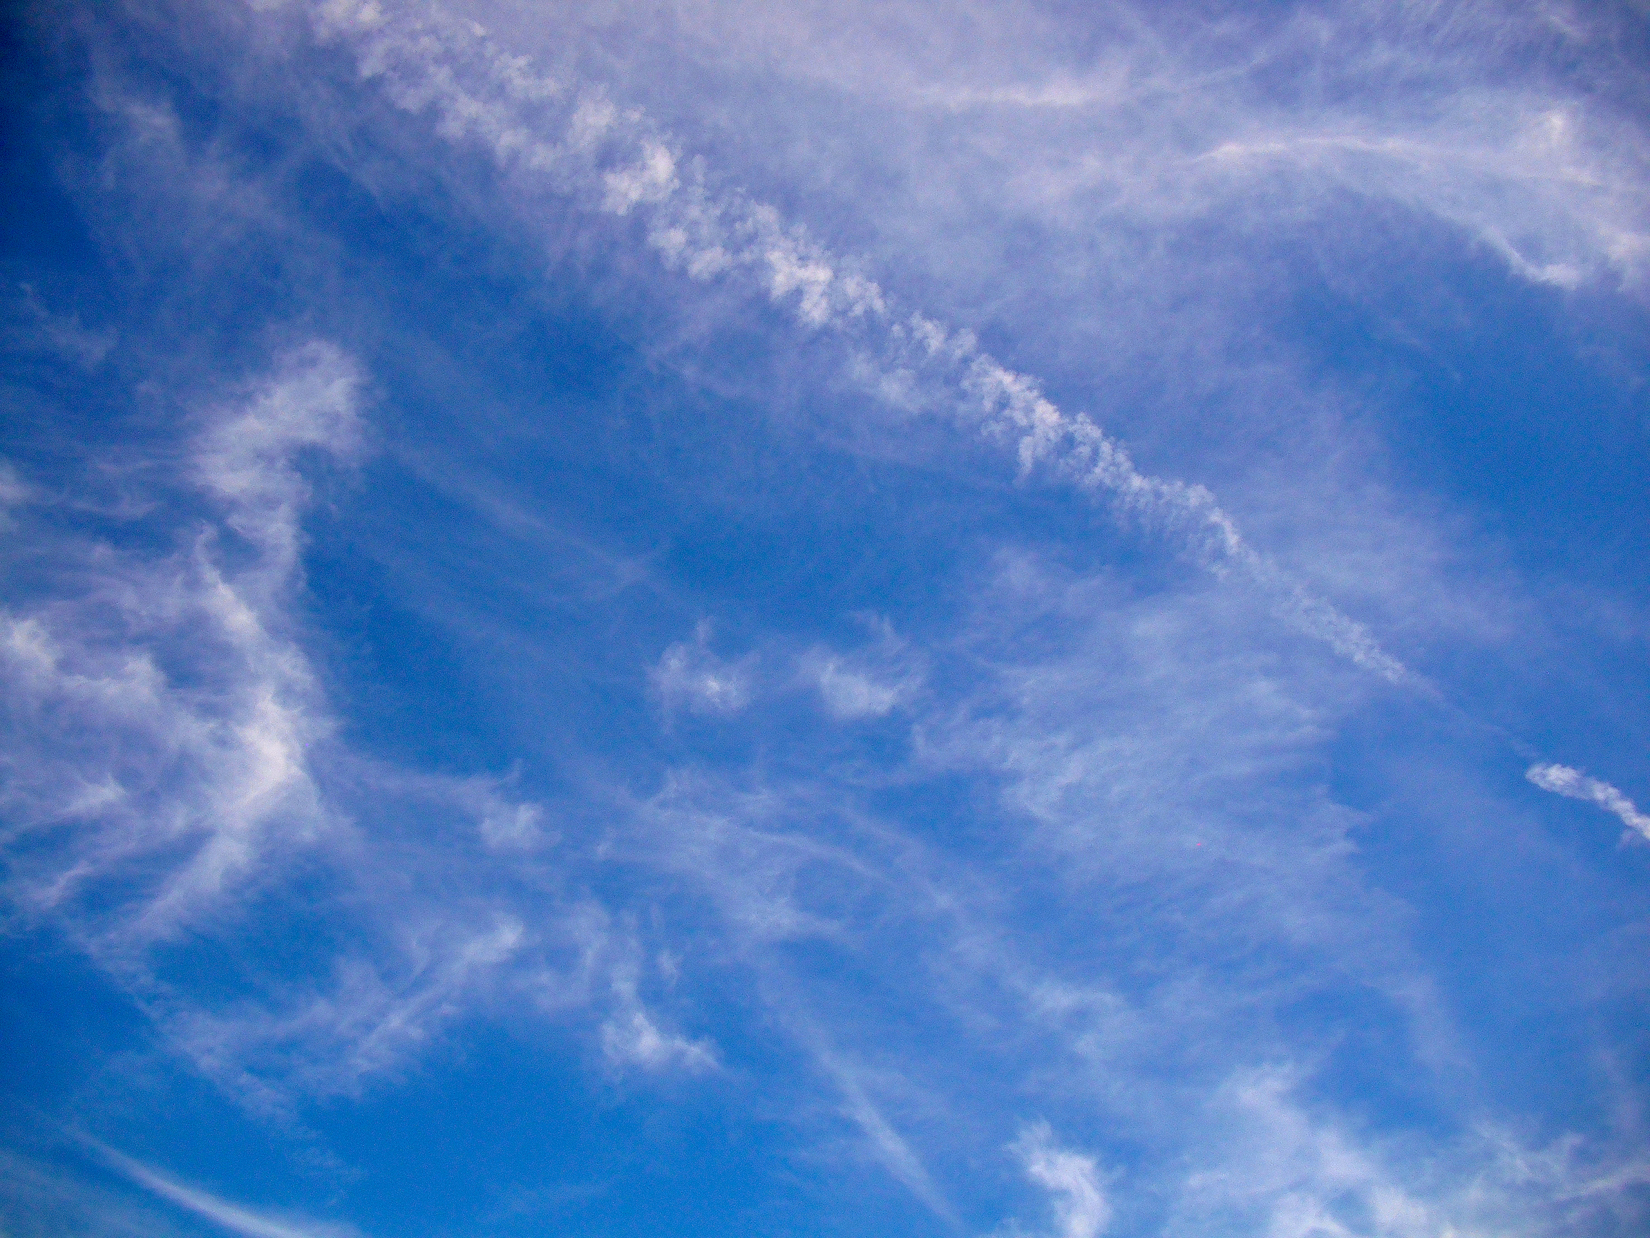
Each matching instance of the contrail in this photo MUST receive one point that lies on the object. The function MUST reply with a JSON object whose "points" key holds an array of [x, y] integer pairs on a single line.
{"points": [[616, 160], [1562, 780]]}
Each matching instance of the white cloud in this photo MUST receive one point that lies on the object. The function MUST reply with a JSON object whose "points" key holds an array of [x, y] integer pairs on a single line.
{"points": [[631, 1035], [689, 676], [232, 1217], [890, 1148], [1149, 740], [1284, 1171], [165, 709], [868, 683], [1080, 1206], [632, 1038], [1142, 114], [1562, 780], [377, 1012], [248, 456], [34, 325], [850, 693], [172, 756]]}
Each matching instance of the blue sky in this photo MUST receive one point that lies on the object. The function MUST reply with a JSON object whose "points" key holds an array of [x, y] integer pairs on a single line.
{"points": [[1022, 621]]}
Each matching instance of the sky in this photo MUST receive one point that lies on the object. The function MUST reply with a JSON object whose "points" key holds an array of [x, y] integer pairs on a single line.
{"points": [[965, 618]]}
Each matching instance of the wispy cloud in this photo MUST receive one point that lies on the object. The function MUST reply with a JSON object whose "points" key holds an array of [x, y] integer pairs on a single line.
{"points": [[234, 1218], [1572, 783], [1080, 1206], [690, 676], [116, 747], [1086, 848], [172, 756], [866, 683], [583, 145]]}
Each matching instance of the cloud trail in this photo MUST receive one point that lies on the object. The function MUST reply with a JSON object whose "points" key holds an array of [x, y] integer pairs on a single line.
{"points": [[618, 161], [220, 1212], [1575, 785]]}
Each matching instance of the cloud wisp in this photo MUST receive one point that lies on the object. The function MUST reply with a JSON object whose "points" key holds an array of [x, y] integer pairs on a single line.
{"points": [[1575, 785], [173, 763], [231, 1217], [165, 708], [1080, 1206]]}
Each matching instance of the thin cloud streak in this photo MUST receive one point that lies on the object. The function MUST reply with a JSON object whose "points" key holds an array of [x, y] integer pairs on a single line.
{"points": [[229, 1216], [1575, 785]]}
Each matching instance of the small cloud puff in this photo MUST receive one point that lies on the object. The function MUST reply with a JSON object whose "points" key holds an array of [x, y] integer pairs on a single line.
{"points": [[867, 684], [632, 1038], [689, 676]]}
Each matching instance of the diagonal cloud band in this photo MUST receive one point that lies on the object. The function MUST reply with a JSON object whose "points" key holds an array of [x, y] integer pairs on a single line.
{"points": [[234, 1218], [618, 161]]}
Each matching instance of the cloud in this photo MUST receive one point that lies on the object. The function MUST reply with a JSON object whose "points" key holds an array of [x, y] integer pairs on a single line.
{"points": [[164, 708], [172, 760], [585, 147], [35, 326], [884, 1142], [1080, 1206], [1289, 1172], [248, 456], [1100, 853], [232, 1217], [1572, 783], [869, 682], [631, 1036], [1148, 116], [379, 1010], [851, 693], [689, 676]]}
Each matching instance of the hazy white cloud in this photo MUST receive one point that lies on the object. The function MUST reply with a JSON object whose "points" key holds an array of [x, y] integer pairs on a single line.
{"points": [[866, 683], [1286, 1171], [166, 708], [171, 755], [1158, 764], [632, 1037], [235, 1218], [249, 454], [378, 1012], [689, 676], [883, 1140], [852, 693], [1148, 114], [32, 324], [1080, 1207], [1562, 780]]}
